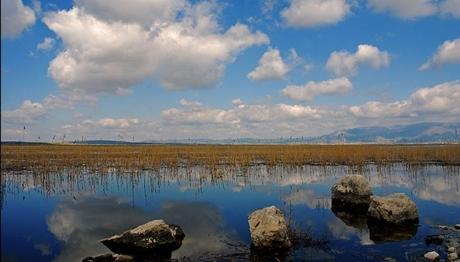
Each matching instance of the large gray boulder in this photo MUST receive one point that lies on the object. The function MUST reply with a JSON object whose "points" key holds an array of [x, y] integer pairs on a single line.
{"points": [[352, 191], [394, 209], [269, 229], [155, 239]]}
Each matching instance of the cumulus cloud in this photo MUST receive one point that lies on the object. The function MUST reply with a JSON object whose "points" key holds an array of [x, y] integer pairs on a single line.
{"points": [[313, 13], [46, 44], [142, 12], [409, 9], [184, 48], [191, 103], [192, 119], [442, 100], [15, 18], [342, 63], [450, 8], [26, 113], [447, 53], [239, 114], [271, 66], [334, 87], [30, 111]]}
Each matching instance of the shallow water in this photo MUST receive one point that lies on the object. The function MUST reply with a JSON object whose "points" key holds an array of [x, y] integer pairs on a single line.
{"points": [[61, 217]]}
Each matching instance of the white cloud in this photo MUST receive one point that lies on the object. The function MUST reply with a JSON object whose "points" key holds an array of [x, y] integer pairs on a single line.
{"points": [[335, 87], [267, 6], [407, 9], [183, 50], [237, 102], [15, 18], [271, 67], [312, 13], [239, 114], [116, 123], [342, 63], [142, 12], [46, 44], [30, 111], [440, 100], [451, 7], [447, 53], [26, 113], [186, 102], [192, 119]]}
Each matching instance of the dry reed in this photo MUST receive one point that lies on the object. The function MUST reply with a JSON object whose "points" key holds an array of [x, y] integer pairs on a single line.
{"points": [[58, 158]]}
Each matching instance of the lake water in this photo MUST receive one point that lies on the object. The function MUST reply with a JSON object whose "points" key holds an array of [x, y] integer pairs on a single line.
{"points": [[61, 217]]}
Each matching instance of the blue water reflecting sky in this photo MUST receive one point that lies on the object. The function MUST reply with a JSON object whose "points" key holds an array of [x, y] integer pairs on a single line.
{"points": [[61, 218]]}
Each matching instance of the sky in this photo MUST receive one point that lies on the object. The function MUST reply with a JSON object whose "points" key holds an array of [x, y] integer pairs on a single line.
{"points": [[178, 69]]}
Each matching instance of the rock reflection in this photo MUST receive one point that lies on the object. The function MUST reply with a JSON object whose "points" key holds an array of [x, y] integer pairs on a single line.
{"points": [[351, 218], [369, 232], [391, 233], [81, 224]]}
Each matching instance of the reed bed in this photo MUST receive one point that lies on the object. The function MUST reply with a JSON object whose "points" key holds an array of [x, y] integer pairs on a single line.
{"points": [[58, 158]]}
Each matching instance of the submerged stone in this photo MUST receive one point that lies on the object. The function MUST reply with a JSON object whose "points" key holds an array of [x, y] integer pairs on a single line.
{"points": [[434, 239], [393, 209], [153, 239], [269, 230], [352, 191]]}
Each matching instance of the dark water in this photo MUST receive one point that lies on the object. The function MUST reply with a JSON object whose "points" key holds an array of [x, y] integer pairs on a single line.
{"points": [[61, 217]]}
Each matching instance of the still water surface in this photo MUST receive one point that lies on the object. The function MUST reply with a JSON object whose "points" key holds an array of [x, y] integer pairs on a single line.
{"points": [[61, 217]]}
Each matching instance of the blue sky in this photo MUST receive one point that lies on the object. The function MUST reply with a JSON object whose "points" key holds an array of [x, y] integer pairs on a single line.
{"points": [[217, 69]]}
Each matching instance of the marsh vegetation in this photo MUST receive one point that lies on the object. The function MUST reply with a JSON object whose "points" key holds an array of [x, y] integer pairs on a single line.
{"points": [[56, 158]]}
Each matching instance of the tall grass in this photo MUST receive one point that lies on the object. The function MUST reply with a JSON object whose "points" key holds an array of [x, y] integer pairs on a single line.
{"points": [[57, 158]]}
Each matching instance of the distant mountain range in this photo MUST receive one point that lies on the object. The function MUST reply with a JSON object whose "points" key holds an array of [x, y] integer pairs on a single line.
{"points": [[413, 133]]}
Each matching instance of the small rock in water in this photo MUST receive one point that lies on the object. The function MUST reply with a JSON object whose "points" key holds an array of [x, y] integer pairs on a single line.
{"points": [[433, 255], [452, 257], [443, 227], [394, 209], [457, 226], [351, 190], [150, 240], [269, 230], [451, 249], [434, 239], [389, 259]]}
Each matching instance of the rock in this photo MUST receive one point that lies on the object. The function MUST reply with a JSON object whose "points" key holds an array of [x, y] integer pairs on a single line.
{"points": [[269, 230], [351, 191], [123, 258], [393, 209], [452, 257], [155, 239], [390, 259], [109, 258], [433, 255], [451, 250], [434, 239], [457, 226]]}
